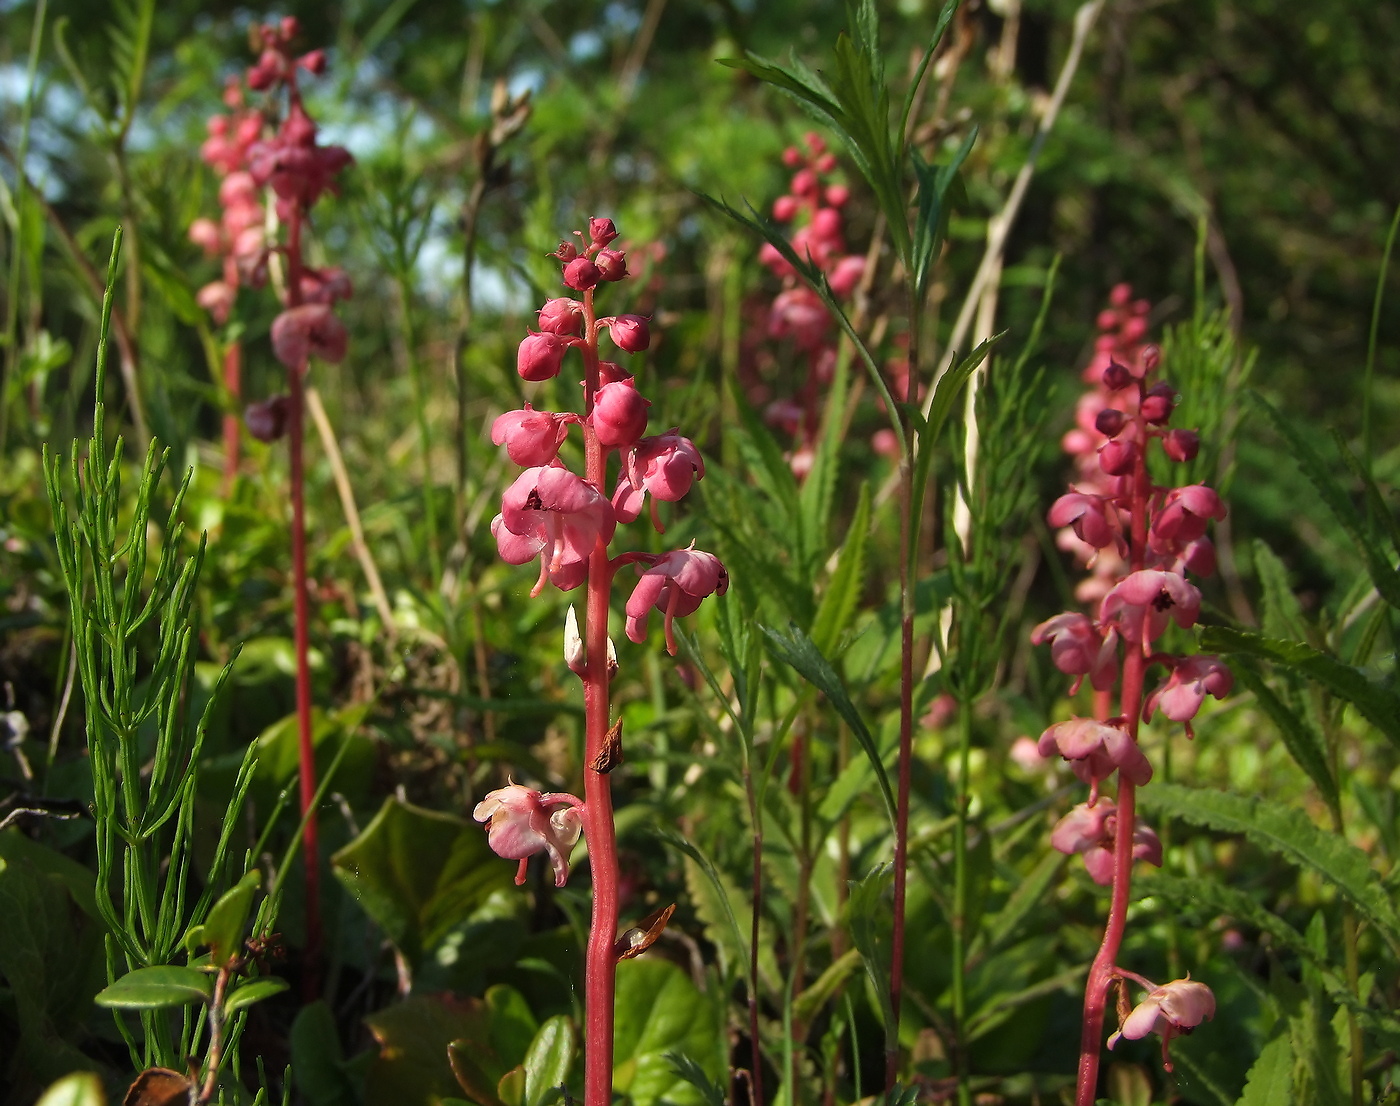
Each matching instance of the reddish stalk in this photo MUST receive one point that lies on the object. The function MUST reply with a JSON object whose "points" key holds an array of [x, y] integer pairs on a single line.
{"points": [[1103, 969], [233, 422], [600, 965]]}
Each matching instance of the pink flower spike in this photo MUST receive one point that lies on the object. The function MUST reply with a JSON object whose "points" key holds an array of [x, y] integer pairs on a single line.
{"points": [[531, 437], [675, 584], [1078, 649], [1192, 679], [1172, 1010], [1091, 517], [552, 513], [619, 414], [521, 822], [312, 328], [1141, 603], [1096, 750]]}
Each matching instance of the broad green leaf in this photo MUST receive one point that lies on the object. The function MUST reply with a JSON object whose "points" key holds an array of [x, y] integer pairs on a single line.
{"points": [[222, 931], [1377, 703], [513, 1024], [254, 991], [660, 1011], [154, 988], [869, 918], [796, 649], [843, 591], [1287, 832], [1270, 1079], [414, 1036], [82, 1088], [418, 872], [1298, 736], [548, 1062]]}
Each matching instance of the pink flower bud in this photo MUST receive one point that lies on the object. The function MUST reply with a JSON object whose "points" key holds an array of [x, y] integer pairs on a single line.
{"points": [[1106, 320], [629, 332], [619, 414], [1151, 358], [837, 195], [1116, 377], [312, 328], [540, 355], [1120, 294], [522, 822], [562, 316], [581, 274], [601, 231], [785, 208], [314, 62], [612, 264], [267, 421], [826, 223], [1157, 404], [1094, 521], [217, 298], [531, 437], [204, 233], [847, 274], [1110, 422], [804, 183], [792, 157], [610, 372], [675, 584], [1118, 457], [1181, 445], [1134, 330]]}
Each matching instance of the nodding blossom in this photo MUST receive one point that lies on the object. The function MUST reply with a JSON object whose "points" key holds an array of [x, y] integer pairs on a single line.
{"points": [[1192, 679], [666, 466], [1078, 648], [1171, 1010], [675, 584], [532, 438], [1090, 830], [521, 822], [551, 513], [1142, 603], [1095, 751]]}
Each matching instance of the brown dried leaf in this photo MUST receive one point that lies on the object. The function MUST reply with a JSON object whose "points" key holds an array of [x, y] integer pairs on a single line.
{"points": [[643, 935]]}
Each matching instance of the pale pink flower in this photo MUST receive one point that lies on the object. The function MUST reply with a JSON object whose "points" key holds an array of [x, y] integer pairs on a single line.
{"points": [[1093, 520], [1090, 829], [665, 465], [1142, 602], [1096, 750], [521, 822], [312, 328], [1172, 1010], [675, 584], [1077, 648], [554, 514], [1183, 516], [1192, 679]]}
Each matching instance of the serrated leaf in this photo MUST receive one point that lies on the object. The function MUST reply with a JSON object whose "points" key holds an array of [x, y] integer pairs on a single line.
{"points": [[155, 988], [710, 1091], [796, 649], [1302, 743], [1288, 833], [1282, 613], [868, 917], [1377, 703]]}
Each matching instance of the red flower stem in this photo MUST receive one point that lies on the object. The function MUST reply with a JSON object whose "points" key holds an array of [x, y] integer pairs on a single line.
{"points": [[600, 962], [1103, 970], [301, 607]]}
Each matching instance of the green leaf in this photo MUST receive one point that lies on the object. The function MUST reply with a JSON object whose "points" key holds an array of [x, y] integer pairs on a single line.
{"points": [[868, 917], [826, 986], [660, 1012], [711, 1094], [254, 991], [1282, 613], [548, 1062], [154, 988], [222, 931], [842, 595], [415, 1037], [1377, 703], [931, 220], [318, 1066], [1288, 833], [796, 649], [1298, 736], [418, 872], [82, 1088]]}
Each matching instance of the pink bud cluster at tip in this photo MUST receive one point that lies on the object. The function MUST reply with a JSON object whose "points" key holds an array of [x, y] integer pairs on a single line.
{"points": [[551, 512], [1171, 1010], [812, 206], [521, 822]]}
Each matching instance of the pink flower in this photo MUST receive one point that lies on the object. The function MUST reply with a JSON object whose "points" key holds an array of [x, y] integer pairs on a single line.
{"points": [[1091, 518], [552, 513], [601, 231], [1090, 830], [1078, 649], [1181, 445], [1172, 1010], [531, 437], [1183, 516], [540, 355], [629, 332], [217, 298], [204, 233], [520, 823], [675, 584], [665, 465], [267, 421], [799, 314], [1096, 750], [847, 274], [1141, 603], [562, 316], [619, 414], [299, 332], [612, 264], [1192, 679], [581, 274]]}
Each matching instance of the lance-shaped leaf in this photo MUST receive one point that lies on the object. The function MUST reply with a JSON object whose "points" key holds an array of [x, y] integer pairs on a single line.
{"points": [[154, 988], [1298, 736]]}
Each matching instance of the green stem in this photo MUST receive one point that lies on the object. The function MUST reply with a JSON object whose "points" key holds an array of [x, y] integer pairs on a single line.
{"points": [[960, 890]]}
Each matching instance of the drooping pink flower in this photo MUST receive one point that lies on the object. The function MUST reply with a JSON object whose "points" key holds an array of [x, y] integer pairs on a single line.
{"points": [[1141, 603], [1183, 516], [1077, 648], [267, 420], [1090, 830], [665, 465], [1095, 751], [1171, 1010], [799, 314], [1181, 445], [521, 822], [675, 584], [1192, 679], [532, 438], [601, 231], [1090, 516], [540, 355], [628, 332], [562, 316], [847, 274], [619, 413], [312, 328], [554, 514]]}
